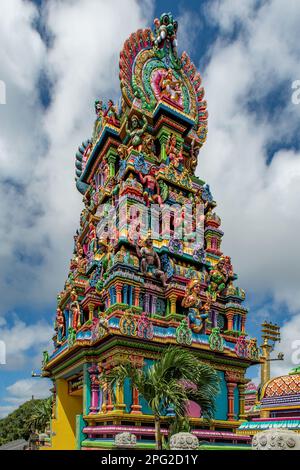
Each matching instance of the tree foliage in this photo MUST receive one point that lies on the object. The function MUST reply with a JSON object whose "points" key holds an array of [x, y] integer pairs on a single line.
{"points": [[18, 424], [174, 379]]}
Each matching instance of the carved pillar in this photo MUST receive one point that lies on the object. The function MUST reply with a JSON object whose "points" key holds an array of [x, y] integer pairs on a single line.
{"points": [[214, 318], [229, 321], [120, 405], [243, 322], [147, 302], [173, 299], [230, 398], [119, 293], [125, 293], [135, 407], [111, 161], [93, 371], [153, 306], [163, 139], [102, 403], [109, 403], [241, 388], [137, 291], [91, 311]]}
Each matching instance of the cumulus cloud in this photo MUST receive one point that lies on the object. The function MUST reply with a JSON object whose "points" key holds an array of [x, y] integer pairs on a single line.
{"points": [[27, 388], [22, 391], [39, 204], [258, 196], [21, 339]]}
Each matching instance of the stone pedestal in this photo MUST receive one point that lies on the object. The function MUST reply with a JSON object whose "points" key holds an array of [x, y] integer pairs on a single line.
{"points": [[184, 441], [125, 440], [276, 439]]}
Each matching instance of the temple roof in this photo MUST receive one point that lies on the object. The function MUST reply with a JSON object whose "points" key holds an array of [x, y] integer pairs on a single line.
{"points": [[250, 388], [252, 427], [280, 386]]}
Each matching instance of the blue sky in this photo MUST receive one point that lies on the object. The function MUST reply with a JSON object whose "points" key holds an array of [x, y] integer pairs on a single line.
{"points": [[64, 56]]}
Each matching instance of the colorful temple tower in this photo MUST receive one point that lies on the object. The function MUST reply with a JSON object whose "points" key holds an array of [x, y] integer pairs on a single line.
{"points": [[148, 269]]}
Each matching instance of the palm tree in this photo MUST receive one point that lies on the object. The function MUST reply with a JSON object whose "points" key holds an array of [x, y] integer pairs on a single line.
{"points": [[177, 377], [41, 415]]}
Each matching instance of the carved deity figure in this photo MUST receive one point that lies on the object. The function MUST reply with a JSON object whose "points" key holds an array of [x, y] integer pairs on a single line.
{"points": [[219, 276], [122, 151], [110, 114], [75, 309], [150, 261], [175, 156], [135, 131], [151, 187], [165, 31], [148, 145], [193, 161], [197, 313], [92, 238], [60, 325], [170, 86], [99, 119]]}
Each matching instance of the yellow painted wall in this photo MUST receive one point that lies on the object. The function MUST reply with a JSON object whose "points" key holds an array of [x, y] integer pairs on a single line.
{"points": [[64, 426]]}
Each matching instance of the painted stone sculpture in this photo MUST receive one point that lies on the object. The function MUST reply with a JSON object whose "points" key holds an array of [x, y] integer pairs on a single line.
{"points": [[220, 275], [197, 312], [276, 439], [150, 262], [184, 441], [60, 325]]}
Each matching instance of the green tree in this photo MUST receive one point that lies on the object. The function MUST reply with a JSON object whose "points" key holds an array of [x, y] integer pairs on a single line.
{"points": [[174, 379], [41, 414], [16, 424]]}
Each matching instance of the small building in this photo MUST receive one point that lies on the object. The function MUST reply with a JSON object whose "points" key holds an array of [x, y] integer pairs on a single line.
{"points": [[279, 405]]}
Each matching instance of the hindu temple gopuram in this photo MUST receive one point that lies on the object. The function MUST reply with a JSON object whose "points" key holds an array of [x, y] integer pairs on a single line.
{"points": [[148, 269]]}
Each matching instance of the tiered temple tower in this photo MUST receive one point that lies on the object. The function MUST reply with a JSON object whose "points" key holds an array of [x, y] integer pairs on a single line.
{"points": [[148, 269]]}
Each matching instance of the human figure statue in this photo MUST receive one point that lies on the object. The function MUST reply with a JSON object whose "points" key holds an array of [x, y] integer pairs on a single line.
{"points": [[150, 262], [197, 313], [92, 238], [219, 277], [194, 152], [60, 325], [99, 119], [135, 131], [151, 187], [81, 260], [175, 156], [110, 114], [75, 309], [170, 86], [166, 30]]}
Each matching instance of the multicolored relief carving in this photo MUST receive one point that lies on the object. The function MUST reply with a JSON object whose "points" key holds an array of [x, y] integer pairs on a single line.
{"points": [[197, 311], [145, 271]]}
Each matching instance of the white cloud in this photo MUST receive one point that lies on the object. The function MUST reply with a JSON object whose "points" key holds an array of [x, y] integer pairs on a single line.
{"points": [[6, 410], [258, 203], [25, 389], [21, 339], [39, 204]]}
